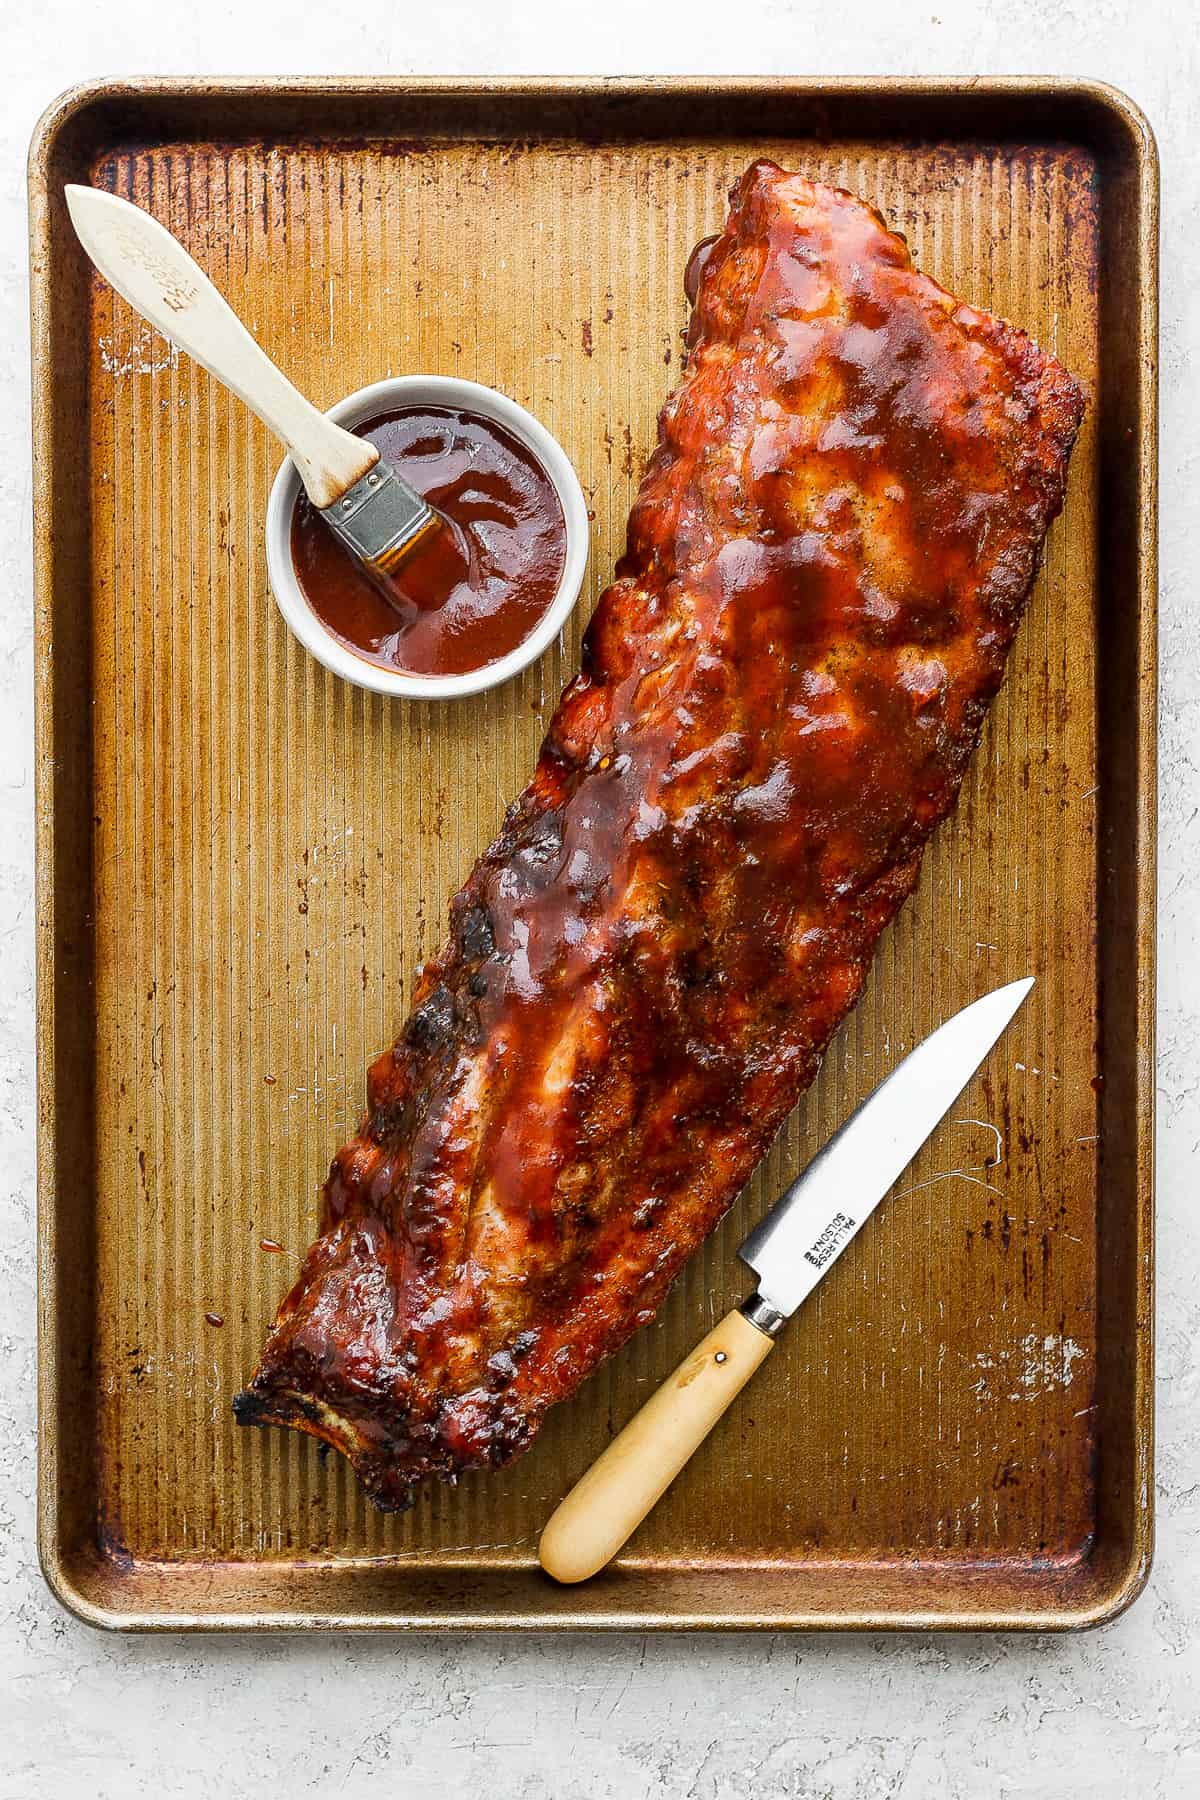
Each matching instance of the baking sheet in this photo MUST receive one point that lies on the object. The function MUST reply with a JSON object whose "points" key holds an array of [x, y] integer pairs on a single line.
{"points": [[242, 861]]}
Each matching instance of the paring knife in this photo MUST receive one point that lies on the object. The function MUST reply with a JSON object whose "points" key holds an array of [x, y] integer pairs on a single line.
{"points": [[790, 1250]]}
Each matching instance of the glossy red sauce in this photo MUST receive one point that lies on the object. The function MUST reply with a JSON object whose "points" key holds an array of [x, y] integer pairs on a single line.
{"points": [[474, 590]]}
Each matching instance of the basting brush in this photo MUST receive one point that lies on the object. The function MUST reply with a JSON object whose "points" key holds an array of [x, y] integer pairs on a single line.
{"points": [[365, 501]]}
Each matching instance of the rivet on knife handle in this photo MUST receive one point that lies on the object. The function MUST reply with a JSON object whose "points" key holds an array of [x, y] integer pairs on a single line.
{"points": [[631, 1476]]}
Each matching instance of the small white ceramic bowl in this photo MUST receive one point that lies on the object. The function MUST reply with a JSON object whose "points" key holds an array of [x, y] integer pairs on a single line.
{"points": [[429, 390]]}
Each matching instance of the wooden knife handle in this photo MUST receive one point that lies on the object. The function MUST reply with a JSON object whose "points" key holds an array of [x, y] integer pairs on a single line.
{"points": [[632, 1475], [154, 272]]}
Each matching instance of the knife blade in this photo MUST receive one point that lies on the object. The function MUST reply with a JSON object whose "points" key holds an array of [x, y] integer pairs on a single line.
{"points": [[809, 1226], [790, 1251]]}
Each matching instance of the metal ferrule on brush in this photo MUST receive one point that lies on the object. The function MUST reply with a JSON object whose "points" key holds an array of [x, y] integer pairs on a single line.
{"points": [[380, 518]]}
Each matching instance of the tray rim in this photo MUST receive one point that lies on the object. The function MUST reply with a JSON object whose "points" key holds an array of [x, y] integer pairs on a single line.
{"points": [[1121, 113]]}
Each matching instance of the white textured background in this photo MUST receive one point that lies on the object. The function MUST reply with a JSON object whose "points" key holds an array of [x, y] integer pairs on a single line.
{"points": [[1114, 1715]]}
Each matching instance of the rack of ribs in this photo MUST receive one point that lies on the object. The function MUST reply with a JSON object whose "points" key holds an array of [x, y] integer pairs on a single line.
{"points": [[826, 564]]}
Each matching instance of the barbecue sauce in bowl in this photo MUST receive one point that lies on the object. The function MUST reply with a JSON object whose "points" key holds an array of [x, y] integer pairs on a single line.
{"points": [[477, 587]]}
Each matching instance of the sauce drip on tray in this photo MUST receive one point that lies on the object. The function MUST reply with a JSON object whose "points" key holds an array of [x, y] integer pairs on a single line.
{"points": [[478, 587], [697, 262]]}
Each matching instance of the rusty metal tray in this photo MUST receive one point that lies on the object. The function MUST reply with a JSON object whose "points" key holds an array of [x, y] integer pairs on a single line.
{"points": [[242, 860]]}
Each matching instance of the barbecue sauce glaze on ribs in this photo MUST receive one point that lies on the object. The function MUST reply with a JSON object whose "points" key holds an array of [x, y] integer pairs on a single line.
{"points": [[826, 564]]}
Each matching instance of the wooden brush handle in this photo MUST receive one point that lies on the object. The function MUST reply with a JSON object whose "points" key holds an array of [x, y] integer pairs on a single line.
{"points": [[633, 1474], [159, 279]]}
